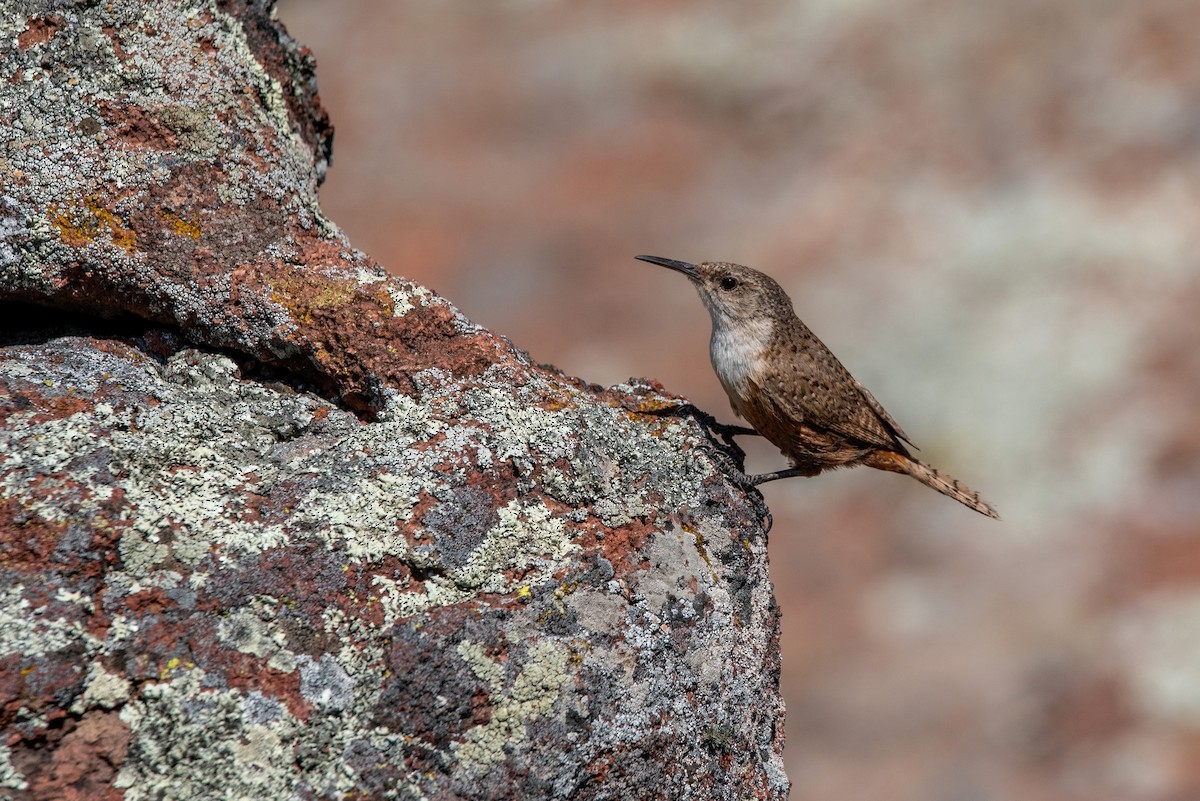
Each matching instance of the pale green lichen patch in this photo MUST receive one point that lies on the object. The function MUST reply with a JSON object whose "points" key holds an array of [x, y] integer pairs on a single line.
{"points": [[528, 536], [362, 519], [104, 690], [408, 297], [531, 694], [411, 417], [189, 742], [253, 631], [24, 632], [35, 474]]}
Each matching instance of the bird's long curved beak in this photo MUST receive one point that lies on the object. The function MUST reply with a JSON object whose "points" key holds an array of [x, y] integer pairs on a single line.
{"points": [[679, 266]]}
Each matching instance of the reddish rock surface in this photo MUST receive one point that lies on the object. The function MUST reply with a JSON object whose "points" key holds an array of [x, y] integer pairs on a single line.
{"points": [[276, 525]]}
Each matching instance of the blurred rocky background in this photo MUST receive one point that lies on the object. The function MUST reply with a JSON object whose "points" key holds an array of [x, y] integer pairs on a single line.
{"points": [[990, 212]]}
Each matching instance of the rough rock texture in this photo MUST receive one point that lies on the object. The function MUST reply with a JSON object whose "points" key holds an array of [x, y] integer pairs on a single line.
{"points": [[274, 525]]}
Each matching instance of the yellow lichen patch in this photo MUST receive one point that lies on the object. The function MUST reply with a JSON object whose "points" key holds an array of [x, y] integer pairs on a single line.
{"points": [[81, 225], [181, 226], [303, 296], [75, 232], [173, 665], [577, 649], [701, 548], [122, 237]]}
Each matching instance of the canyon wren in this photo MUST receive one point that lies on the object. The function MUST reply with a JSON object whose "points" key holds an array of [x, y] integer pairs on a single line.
{"points": [[784, 381]]}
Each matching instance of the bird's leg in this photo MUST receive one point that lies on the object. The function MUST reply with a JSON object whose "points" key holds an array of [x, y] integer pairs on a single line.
{"points": [[791, 472], [738, 470], [804, 463], [728, 432], [732, 430], [746, 482]]}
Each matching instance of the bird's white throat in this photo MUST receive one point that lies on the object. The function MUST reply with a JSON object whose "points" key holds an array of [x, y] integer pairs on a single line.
{"points": [[737, 349]]}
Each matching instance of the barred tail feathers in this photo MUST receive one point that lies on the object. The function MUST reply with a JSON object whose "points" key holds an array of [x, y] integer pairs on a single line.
{"points": [[948, 486]]}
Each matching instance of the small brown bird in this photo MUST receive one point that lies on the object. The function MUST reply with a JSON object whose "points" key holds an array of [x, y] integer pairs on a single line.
{"points": [[787, 384]]}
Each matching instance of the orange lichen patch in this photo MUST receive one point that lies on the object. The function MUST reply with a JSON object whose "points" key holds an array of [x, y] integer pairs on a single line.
{"points": [[577, 650], [557, 404], [75, 232], [348, 330], [649, 405], [181, 226], [81, 225]]}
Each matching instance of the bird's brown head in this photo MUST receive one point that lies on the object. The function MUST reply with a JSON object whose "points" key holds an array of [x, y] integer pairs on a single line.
{"points": [[733, 294]]}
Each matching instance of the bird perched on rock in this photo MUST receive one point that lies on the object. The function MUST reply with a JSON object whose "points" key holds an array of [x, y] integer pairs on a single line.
{"points": [[793, 390]]}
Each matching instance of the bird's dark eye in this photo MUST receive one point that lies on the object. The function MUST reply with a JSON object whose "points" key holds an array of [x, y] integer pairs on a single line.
{"points": [[729, 282]]}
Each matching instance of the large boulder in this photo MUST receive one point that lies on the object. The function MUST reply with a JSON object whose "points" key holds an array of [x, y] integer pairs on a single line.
{"points": [[276, 525]]}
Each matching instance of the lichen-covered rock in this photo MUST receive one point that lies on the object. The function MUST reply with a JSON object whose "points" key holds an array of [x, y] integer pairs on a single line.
{"points": [[513, 587], [162, 160], [274, 525]]}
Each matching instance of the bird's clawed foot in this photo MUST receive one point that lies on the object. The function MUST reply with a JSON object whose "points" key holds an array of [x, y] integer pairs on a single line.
{"points": [[728, 461], [759, 503], [729, 457], [726, 464], [726, 432], [762, 510]]}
